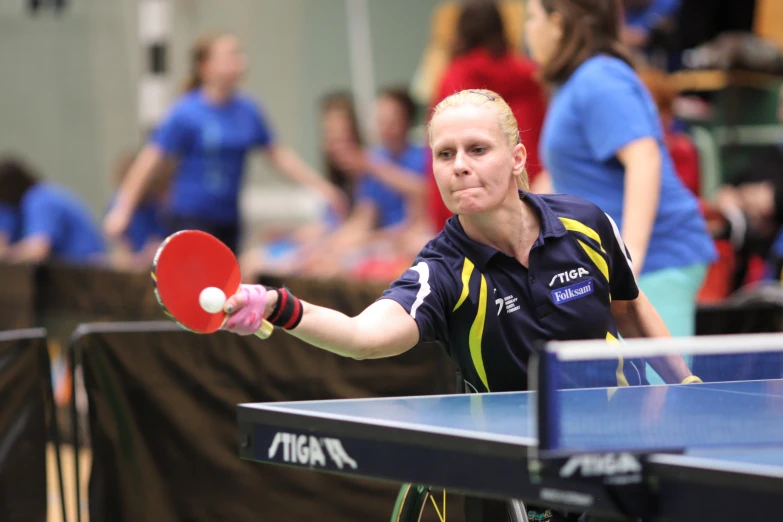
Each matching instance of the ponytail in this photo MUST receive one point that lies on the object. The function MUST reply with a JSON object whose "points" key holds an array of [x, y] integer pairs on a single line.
{"points": [[199, 53]]}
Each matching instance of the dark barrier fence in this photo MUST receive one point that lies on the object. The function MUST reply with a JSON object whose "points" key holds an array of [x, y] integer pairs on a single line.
{"points": [[26, 404], [162, 422], [17, 295], [756, 310]]}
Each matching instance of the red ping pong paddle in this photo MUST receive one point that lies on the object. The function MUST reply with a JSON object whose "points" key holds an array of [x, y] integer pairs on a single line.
{"points": [[186, 263]]}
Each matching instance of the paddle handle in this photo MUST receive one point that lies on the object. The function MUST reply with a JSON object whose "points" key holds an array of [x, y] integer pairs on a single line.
{"points": [[266, 330]]}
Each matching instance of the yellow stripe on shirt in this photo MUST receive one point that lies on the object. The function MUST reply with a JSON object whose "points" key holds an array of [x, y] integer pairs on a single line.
{"points": [[597, 259], [467, 271], [477, 332], [577, 226], [620, 372]]}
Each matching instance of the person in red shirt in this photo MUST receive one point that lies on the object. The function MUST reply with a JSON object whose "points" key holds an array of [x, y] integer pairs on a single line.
{"points": [[483, 59]]}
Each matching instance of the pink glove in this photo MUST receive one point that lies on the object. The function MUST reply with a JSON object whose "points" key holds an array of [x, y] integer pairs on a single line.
{"points": [[246, 310]]}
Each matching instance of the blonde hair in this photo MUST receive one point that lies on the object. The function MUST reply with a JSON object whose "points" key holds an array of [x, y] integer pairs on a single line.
{"points": [[479, 97]]}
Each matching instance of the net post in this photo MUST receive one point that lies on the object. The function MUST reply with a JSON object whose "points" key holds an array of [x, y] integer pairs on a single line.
{"points": [[547, 404]]}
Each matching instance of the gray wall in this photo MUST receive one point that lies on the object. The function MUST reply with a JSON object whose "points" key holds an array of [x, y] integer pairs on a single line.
{"points": [[68, 87]]}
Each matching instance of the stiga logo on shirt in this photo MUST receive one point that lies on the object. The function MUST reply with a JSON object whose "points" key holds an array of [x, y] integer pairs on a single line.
{"points": [[569, 293]]}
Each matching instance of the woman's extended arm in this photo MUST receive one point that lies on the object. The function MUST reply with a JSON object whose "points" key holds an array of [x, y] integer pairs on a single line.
{"points": [[132, 190], [288, 162], [383, 329]]}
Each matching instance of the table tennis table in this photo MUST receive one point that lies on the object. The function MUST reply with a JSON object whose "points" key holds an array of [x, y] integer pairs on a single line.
{"points": [[711, 451]]}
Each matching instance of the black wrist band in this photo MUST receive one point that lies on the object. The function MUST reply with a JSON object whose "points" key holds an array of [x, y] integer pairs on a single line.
{"points": [[288, 310]]}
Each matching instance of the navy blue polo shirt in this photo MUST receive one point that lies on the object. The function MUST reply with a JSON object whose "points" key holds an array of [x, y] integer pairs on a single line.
{"points": [[489, 311]]}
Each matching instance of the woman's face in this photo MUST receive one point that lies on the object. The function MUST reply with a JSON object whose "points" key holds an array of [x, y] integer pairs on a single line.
{"points": [[337, 130], [226, 63], [392, 122], [473, 163], [339, 138], [543, 31]]}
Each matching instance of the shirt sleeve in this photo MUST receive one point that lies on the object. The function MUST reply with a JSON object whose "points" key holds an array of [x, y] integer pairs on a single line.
{"points": [[262, 131], [7, 222], [40, 216], [623, 281], [614, 109], [423, 292], [367, 189], [173, 132]]}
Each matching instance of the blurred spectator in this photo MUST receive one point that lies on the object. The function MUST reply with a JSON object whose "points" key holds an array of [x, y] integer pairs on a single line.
{"points": [[700, 21], [603, 141], [388, 216], [438, 52], [136, 249], [483, 59], [394, 181], [681, 148], [339, 129], [394, 169], [774, 261], [752, 204], [642, 17], [209, 132], [9, 229], [385, 186], [54, 223]]}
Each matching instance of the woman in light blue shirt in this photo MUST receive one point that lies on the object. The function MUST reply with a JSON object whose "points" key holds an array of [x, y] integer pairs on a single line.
{"points": [[603, 140]]}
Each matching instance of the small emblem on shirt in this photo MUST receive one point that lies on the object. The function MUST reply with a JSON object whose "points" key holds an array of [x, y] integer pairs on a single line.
{"points": [[510, 302], [569, 275], [575, 291]]}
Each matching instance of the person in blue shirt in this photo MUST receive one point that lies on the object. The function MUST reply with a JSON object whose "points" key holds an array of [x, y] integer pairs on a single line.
{"points": [[603, 141], [208, 134], [643, 16], [8, 227], [282, 255], [136, 249], [389, 191], [395, 167], [510, 269], [52, 223]]}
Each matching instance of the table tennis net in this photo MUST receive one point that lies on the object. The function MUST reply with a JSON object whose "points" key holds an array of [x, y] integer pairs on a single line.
{"points": [[608, 396]]}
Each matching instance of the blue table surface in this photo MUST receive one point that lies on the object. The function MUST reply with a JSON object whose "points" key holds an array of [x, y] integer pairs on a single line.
{"points": [[706, 420]]}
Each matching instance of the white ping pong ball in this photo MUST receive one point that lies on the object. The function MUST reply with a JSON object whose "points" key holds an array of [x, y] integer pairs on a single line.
{"points": [[212, 300]]}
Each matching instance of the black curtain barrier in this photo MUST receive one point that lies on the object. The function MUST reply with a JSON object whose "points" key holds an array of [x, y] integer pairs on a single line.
{"points": [[162, 422], [757, 310], [17, 292], [26, 409]]}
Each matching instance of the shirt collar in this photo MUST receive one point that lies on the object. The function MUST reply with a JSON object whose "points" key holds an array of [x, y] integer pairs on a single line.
{"points": [[481, 254]]}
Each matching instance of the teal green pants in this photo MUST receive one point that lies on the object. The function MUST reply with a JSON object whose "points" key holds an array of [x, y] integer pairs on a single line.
{"points": [[673, 291]]}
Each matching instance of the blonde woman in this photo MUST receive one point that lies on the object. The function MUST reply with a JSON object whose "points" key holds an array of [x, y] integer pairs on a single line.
{"points": [[503, 243], [510, 269]]}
